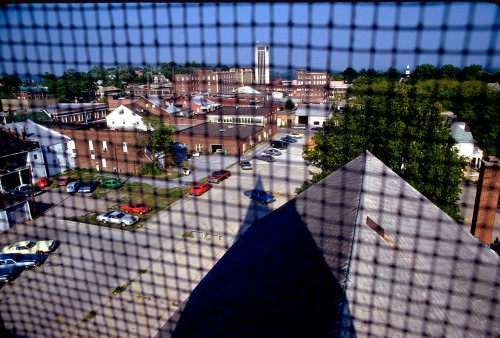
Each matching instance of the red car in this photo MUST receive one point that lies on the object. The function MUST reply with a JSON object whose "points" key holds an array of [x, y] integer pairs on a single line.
{"points": [[136, 208], [218, 176], [200, 189], [65, 180], [42, 182]]}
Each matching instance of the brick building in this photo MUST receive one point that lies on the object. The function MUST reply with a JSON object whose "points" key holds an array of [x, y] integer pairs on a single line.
{"points": [[186, 84], [210, 138], [205, 81], [78, 113], [244, 76], [105, 149]]}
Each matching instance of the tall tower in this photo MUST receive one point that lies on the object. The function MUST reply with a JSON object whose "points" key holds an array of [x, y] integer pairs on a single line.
{"points": [[261, 55]]}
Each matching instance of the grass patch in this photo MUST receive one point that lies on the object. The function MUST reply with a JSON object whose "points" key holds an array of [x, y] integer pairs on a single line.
{"points": [[157, 198]]}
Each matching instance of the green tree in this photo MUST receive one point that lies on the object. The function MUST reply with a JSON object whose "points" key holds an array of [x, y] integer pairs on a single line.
{"points": [[425, 72], [9, 86], [448, 72], [393, 74], [158, 140], [471, 72], [337, 77], [404, 129], [349, 74], [289, 105]]}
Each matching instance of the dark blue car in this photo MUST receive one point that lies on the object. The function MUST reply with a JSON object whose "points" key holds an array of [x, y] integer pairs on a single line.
{"points": [[289, 139], [260, 196]]}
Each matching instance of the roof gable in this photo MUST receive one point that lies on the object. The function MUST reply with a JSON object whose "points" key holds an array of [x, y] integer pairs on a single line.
{"points": [[359, 253]]}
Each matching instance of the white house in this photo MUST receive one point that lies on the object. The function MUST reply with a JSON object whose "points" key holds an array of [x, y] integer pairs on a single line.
{"points": [[312, 115], [465, 144], [126, 118], [57, 150]]}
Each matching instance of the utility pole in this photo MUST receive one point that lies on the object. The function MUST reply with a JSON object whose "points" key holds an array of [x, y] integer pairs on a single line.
{"points": [[31, 190]]}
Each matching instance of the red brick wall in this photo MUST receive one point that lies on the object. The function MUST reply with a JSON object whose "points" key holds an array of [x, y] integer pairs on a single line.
{"points": [[233, 147], [486, 201], [114, 156]]}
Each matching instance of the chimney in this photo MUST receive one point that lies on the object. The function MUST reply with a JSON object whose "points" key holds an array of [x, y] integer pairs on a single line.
{"points": [[488, 191]]}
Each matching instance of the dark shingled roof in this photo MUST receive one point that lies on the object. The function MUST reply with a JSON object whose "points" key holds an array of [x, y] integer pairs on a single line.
{"points": [[360, 253]]}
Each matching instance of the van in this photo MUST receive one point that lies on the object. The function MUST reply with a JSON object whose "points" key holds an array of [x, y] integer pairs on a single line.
{"points": [[73, 187], [279, 144]]}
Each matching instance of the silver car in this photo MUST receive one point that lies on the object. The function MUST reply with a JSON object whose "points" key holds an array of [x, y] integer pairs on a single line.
{"points": [[117, 217]]}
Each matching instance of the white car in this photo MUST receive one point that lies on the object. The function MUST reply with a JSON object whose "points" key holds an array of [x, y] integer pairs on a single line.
{"points": [[296, 135], [32, 247], [117, 217]]}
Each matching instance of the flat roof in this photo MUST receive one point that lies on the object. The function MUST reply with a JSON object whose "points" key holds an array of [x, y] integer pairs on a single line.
{"points": [[224, 130], [321, 110]]}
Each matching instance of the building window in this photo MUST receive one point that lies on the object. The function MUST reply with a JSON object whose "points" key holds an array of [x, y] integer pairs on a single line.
{"points": [[125, 150], [104, 163], [91, 145], [199, 147], [35, 157], [104, 147]]}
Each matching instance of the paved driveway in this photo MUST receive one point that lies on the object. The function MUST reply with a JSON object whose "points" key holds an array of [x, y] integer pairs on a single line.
{"points": [[105, 282]]}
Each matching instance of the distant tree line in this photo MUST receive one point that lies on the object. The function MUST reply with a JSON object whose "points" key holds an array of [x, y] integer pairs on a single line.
{"points": [[421, 72]]}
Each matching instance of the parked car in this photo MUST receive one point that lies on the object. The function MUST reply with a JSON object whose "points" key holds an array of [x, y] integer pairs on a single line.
{"points": [[296, 135], [25, 190], [117, 217], [22, 261], [136, 208], [273, 152], [245, 165], [289, 139], [111, 184], [317, 128], [267, 158], [9, 273], [87, 186], [300, 127], [42, 182], [278, 144], [219, 176], [73, 187], [260, 196], [65, 180], [31, 247], [200, 189]]}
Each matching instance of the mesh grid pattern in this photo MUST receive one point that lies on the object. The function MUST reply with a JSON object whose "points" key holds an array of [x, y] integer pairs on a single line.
{"points": [[361, 253]]}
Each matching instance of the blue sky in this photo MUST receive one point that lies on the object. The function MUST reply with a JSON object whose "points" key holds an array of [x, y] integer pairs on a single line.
{"points": [[38, 38]]}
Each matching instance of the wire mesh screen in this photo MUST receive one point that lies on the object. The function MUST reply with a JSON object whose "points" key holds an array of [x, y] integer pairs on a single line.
{"points": [[192, 170]]}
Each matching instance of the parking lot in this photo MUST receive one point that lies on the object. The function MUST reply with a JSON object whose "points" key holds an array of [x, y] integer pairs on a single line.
{"points": [[115, 283]]}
